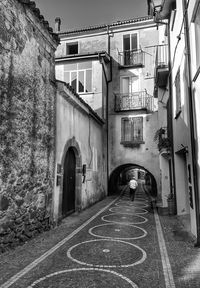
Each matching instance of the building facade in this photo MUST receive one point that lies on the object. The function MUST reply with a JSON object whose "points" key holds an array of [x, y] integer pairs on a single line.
{"points": [[182, 99], [112, 69]]}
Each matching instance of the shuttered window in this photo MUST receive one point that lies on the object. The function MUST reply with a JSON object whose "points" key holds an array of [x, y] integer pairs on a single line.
{"points": [[178, 93], [197, 35], [132, 129]]}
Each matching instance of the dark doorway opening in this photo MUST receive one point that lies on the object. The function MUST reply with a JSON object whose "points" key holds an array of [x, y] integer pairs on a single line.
{"points": [[69, 183], [120, 177]]}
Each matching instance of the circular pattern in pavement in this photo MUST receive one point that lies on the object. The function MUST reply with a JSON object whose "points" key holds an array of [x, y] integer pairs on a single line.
{"points": [[115, 231], [120, 254], [90, 277], [129, 210], [132, 204], [124, 218], [118, 231]]}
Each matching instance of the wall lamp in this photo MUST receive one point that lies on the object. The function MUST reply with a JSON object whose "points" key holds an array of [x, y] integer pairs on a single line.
{"points": [[157, 6]]}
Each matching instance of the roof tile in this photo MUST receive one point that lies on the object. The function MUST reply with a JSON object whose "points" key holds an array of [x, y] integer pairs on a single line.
{"points": [[104, 26]]}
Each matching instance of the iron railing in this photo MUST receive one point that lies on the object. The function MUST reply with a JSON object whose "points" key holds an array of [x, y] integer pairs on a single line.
{"points": [[133, 101], [133, 58]]}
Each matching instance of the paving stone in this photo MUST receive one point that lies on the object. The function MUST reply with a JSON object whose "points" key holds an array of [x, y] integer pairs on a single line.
{"points": [[100, 259]]}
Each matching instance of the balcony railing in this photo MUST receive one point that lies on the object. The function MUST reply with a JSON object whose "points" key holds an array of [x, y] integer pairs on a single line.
{"points": [[133, 101], [162, 69], [131, 58]]}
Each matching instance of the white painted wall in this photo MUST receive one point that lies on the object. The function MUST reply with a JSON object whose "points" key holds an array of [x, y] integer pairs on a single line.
{"points": [[75, 120]]}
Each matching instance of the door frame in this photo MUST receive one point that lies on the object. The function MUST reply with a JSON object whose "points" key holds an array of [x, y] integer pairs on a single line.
{"points": [[73, 144]]}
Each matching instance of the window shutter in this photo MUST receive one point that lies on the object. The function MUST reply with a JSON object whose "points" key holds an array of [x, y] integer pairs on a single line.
{"points": [[132, 129], [178, 92], [134, 43]]}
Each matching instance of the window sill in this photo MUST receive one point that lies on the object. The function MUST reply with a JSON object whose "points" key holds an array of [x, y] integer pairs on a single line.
{"points": [[132, 143], [85, 93]]}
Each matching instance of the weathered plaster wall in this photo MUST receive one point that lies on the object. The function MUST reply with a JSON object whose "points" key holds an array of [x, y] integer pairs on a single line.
{"points": [[145, 155], [181, 121], [87, 132], [27, 117], [91, 43], [196, 96]]}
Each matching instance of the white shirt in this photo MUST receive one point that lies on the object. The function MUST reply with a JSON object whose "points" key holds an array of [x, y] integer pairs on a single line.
{"points": [[133, 184]]}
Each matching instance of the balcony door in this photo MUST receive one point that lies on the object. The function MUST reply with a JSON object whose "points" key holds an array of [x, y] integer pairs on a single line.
{"points": [[129, 85], [129, 90], [130, 44]]}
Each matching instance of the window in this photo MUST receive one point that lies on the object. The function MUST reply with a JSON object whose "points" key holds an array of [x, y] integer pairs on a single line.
{"points": [[79, 76], [129, 84], [197, 35], [130, 44], [132, 130], [178, 93], [72, 48]]}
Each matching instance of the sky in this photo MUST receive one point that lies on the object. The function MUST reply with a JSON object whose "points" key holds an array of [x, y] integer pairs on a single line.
{"points": [[83, 13]]}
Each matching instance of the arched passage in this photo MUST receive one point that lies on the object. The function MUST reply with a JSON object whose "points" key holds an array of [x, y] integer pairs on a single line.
{"points": [[121, 175]]}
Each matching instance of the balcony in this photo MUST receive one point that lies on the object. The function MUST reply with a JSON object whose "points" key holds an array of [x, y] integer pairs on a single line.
{"points": [[131, 58], [162, 67], [133, 101]]}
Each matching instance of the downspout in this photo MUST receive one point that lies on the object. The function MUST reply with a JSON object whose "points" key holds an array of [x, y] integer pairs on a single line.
{"points": [[192, 127], [172, 163], [107, 110], [107, 118], [107, 103], [108, 39]]}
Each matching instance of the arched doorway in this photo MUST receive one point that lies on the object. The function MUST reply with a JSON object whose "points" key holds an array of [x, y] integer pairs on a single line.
{"points": [[69, 183], [120, 176]]}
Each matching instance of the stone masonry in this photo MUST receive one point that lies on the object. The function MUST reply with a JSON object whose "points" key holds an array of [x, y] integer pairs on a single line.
{"points": [[27, 121]]}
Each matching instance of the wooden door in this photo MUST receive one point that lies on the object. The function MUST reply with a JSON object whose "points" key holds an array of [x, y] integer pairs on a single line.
{"points": [[68, 203]]}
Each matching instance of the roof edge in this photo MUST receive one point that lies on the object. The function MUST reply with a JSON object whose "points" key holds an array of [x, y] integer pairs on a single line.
{"points": [[92, 112], [105, 26], [36, 11]]}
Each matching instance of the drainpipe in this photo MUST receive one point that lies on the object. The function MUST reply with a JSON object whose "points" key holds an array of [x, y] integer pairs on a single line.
{"points": [[171, 163], [107, 112], [108, 39], [107, 102], [192, 120]]}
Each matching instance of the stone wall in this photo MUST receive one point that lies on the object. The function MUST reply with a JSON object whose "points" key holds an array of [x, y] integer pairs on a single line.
{"points": [[27, 118]]}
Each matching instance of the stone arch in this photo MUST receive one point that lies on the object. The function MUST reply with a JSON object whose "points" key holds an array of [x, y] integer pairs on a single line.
{"points": [[114, 176], [73, 144]]}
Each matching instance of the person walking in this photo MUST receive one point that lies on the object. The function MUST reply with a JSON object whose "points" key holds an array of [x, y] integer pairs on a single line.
{"points": [[133, 186]]}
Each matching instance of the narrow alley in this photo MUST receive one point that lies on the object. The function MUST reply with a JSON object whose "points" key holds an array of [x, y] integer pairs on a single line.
{"points": [[115, 243]]}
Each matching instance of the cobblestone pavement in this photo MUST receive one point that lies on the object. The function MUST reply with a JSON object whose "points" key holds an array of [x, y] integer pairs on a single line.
{"points": [[116, 243]]}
